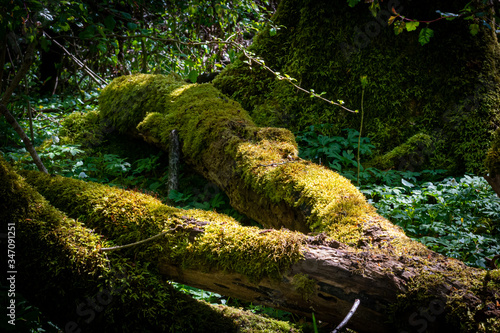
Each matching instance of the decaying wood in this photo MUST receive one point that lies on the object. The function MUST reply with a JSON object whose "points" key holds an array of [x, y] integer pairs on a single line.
{"points": [[326, 280], [173, 164]]}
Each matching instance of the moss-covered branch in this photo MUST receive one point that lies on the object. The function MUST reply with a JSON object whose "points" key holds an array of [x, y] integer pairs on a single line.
{"points": [[258, 168], [61, 270], [286, 269]]}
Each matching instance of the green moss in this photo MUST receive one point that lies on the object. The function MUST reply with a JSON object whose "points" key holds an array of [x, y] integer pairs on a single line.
{"points": [[411, 155], [71, 269], [221, 141], [465, 304], [247, 322], [447, 89], [125, 217], [493, 155], [304, 285], [87, 129], [127, 100]]}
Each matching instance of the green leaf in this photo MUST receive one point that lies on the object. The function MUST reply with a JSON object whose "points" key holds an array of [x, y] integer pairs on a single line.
{"points": [[193, 75], [474, 29], [44, 42], [131, 26], [100, 30], [352, 3], [110, 22], [272, 31], [425, 35], [102, 47], [411, 26], [399, 26], [88, 32]]}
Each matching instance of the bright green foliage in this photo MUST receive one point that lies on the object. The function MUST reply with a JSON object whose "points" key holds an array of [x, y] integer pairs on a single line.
{"points": [[458, 219], [425, 35], [493, 156], [446, 89], [337, 152]]}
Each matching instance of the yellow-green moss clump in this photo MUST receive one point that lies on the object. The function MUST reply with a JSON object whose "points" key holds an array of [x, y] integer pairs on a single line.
{"points": [[465, 304], [304, 285], [493, 156], [413, 155], [125, 217], [87, 129]]}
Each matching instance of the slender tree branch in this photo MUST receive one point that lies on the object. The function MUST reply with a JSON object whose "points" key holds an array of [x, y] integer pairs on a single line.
{"points": [[349, 315], [106, 249], [2, 58], [29, 146], [21, 73], [100, 81]]}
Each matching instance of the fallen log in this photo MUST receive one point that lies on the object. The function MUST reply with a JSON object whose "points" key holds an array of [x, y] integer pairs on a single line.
{"points": [[258, 168], [59, 268], [401, 285]]}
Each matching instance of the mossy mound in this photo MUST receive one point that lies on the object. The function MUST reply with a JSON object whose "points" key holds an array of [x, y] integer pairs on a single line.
{"points": [[87, 129], [493, 156], [412, 155], [447, 89]]}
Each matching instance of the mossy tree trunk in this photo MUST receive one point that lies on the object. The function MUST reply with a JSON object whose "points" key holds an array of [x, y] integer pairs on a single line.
{"points": [[355, 253], [493, 163]]}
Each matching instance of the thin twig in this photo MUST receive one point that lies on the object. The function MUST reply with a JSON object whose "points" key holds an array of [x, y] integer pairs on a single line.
{"points": [[349, 315], [100, 81], [105, 249]]}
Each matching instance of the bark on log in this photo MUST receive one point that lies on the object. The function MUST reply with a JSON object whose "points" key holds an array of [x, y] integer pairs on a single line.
{"points": [[289, 270], [493, 163], [59, 268]]}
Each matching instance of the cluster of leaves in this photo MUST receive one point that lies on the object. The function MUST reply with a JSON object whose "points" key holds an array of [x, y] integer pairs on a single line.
{"points": [[479, 13], [458, 218], [338, 153], [122, 37]]}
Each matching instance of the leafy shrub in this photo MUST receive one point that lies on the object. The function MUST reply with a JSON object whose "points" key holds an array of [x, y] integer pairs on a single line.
{"points": [[460, 219], [339, 152]]}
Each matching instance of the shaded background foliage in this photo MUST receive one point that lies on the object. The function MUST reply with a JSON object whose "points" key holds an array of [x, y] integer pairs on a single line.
{"points": [[446, 88]]}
